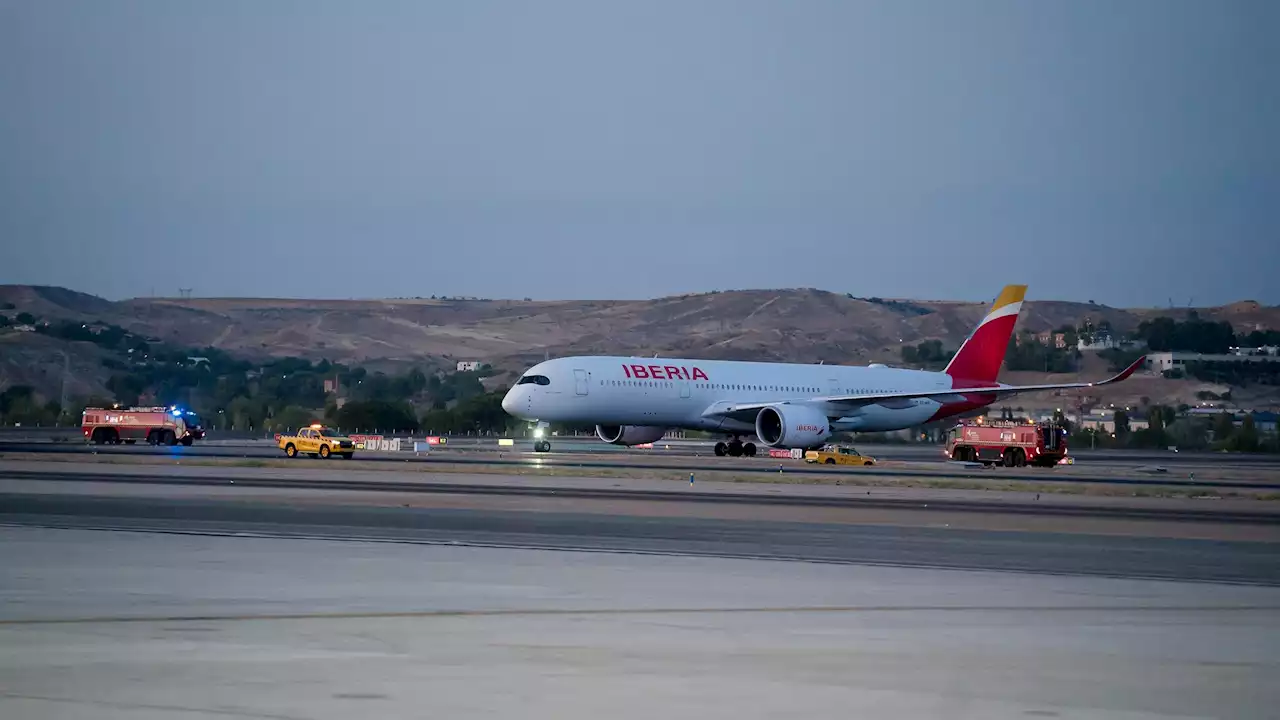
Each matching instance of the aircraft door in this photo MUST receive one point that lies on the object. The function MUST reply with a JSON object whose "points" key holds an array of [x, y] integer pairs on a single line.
{"points": [[684, 388], [580, 383]]}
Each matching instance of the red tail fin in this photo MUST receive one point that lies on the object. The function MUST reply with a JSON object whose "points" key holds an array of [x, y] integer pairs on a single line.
{"points": [[982, 353]]}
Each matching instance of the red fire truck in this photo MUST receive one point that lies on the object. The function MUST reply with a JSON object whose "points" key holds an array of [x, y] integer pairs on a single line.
{"points": [[156, 425], [1007, 442]]}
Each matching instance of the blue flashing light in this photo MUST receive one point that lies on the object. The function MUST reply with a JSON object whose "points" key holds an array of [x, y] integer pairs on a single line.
{"points": [[177, 413]]}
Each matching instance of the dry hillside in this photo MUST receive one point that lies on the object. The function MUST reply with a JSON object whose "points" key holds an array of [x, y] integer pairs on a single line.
{"points": [[802, 325]]}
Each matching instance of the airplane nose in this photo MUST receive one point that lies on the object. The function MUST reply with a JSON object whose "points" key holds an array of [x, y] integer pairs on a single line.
{"points": [[509, 402]]}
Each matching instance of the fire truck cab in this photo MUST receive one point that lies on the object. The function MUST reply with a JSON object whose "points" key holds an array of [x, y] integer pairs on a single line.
{"points": [[1008, 443]]}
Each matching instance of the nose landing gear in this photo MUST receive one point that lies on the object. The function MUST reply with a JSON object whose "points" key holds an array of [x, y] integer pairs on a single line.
{"points": [[541, 446]]}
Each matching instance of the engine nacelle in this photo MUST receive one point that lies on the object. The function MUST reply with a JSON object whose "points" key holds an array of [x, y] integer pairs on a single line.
{"points": [[629, 434], [792, 426]]}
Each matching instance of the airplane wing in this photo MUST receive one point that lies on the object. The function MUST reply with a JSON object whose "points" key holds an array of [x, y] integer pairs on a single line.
{"points": [[903, 399]]}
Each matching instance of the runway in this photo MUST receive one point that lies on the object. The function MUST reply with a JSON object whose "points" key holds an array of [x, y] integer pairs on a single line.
{"points": [[114, 625], [175, 591], [69, 440], [1256, 472], [833, 524]]}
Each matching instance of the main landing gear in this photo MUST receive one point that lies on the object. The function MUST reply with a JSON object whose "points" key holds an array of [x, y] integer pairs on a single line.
{"points": [[735, 448]]}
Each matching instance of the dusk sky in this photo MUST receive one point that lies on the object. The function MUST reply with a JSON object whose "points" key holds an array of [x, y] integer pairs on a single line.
{"points": [[1122, 151]]}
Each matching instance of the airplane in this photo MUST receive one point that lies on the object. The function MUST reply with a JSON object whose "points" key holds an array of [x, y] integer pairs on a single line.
{"points": [[634, 401]]}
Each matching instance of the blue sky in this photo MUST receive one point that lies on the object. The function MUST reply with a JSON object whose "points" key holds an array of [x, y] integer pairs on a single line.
{"points": [[1124, 152]]}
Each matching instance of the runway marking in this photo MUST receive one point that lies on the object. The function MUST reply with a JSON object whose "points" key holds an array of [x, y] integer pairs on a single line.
{"points": [[533, 612]]}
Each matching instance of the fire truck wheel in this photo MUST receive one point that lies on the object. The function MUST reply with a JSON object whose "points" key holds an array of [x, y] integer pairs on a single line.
{"points": [[130, 442], [324, 451], [186, 441], [1013, 458]]}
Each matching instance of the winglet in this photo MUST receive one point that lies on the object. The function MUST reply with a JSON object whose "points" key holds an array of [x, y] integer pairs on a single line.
{"points": [[1124, 374]]}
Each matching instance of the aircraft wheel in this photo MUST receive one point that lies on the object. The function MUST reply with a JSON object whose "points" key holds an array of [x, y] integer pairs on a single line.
{"points": [[721, 449], [749, 449], [735, 449]]}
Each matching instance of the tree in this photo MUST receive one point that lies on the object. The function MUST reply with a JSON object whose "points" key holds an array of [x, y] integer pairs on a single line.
{"points": [[376, 415], [1247, 439], [291, 418], [1189, 433], [26, 318], [1121, 419], [1223, 428], [5, 321]]}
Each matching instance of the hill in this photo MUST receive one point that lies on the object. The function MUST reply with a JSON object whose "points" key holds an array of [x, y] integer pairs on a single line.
{"points": [[793, 325]]}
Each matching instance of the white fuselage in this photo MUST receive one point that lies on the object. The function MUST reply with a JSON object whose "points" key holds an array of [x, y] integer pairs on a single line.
{"points": [[677, 393]]}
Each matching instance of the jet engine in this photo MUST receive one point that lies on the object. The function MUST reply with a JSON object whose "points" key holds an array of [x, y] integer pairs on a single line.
{"points": [[629, 434], [792, 426]]}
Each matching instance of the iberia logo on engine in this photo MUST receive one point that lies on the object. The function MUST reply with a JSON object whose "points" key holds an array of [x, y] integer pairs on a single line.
{"points": [[810, 428]]}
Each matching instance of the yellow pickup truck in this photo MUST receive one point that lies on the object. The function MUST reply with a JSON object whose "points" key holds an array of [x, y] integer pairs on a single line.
{"points": [[838, 455], [317, 441]]}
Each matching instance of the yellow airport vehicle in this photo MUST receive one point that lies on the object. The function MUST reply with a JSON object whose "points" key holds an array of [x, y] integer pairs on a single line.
{"points": [[317, 441], [838, 455]]}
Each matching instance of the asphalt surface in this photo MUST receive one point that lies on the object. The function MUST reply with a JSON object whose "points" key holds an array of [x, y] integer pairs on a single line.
{"points": [[110, 625], [1262, 476], [1052, 553], [334, 480], [70, 441]]}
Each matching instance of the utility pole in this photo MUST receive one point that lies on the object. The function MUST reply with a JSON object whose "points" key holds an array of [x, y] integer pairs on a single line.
{"points": [[66, 370]]}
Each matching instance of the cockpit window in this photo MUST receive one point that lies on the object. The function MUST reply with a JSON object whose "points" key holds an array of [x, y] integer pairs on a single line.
{"points": [[535, 379]]}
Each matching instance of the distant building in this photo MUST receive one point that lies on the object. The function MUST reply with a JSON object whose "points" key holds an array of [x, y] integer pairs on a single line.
{"points": [[1264, 351], [24, 328], [331, 385], [1053, 339], [1105, 421], [1162, 362], [1266, 421], [468, 365]]}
